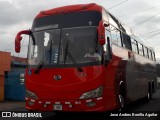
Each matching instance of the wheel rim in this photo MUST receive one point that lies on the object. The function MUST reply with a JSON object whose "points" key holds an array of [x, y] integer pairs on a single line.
{"points": [[121, 101], [148, 96]]}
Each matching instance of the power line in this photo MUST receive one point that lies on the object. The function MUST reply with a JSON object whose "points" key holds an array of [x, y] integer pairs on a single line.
{"points": [[157, 52], [146, 20], [136, 12], [117, 5], [154, 35], [149, 32], [148, 36]]}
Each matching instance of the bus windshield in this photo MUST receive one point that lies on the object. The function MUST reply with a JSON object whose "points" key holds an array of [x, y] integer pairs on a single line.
{"points": [[52, 47]]}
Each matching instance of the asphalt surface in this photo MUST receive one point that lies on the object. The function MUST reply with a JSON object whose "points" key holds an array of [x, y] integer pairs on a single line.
{"points": [[11, 105]]}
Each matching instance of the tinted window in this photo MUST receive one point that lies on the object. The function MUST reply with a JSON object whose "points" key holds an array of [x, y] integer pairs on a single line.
{"points": [[74, 19], [126, 41], [116, 37], [134, 45], [150, 54], [145, 52], [153, 54], [62, 47], [140, 48]]}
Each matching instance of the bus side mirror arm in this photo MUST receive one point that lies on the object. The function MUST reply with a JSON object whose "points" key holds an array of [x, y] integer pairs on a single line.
{"points": [[19, 38], [101, 32]]}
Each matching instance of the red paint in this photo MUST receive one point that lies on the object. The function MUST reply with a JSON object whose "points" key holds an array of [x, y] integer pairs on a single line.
{"points": [[73, 83], [19, 38], [101, 33], [71, 8], [71, 86]]}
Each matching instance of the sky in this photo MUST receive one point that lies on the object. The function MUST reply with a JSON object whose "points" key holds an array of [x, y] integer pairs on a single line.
{"points": [[142, 16]]}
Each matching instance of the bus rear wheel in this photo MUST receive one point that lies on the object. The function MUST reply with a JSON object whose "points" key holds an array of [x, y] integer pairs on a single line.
{"points": [[121, 102], [149, 94]]}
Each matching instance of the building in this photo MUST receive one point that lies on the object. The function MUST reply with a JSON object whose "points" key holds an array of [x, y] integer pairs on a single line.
{"points": [[5, 65], [12, 83]]}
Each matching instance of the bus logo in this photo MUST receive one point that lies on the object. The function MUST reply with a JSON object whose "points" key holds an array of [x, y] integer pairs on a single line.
{"points": [[57, 77]]}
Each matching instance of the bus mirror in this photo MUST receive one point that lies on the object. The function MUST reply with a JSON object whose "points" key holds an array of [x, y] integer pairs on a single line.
{"points": [[101, 32], [106, 25], [19, 38]]}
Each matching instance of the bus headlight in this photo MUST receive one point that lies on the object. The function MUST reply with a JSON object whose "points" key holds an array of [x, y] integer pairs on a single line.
{"points": [[92, 94], [30, 94]]}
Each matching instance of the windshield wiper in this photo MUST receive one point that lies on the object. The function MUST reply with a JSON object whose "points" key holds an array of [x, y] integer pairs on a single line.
{"points": [[71, 57], [66, 51], [39, 66]]}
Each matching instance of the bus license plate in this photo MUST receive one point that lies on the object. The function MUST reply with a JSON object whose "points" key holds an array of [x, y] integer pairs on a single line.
{"points": [[57, 107]]}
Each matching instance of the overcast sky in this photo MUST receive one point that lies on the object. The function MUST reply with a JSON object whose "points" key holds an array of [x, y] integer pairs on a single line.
{"points": [[143, 16]]}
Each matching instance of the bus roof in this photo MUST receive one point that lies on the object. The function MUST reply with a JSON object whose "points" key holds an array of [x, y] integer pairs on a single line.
{"points": [[86, 7], [70, 8]]}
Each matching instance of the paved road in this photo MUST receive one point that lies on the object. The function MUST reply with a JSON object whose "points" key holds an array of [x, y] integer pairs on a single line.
{"points": [[11, 105], [139, 108]]}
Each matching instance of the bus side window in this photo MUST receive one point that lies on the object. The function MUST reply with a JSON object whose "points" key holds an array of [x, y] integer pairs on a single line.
{"points": [[140, 48], [119, 38], [134, 45], [116, 37], [150, 54], [126, 41], [153, 54], [145, 52]]}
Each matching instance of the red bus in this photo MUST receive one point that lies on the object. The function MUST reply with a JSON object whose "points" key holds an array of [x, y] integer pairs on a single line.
{"points": [[82, 58]]}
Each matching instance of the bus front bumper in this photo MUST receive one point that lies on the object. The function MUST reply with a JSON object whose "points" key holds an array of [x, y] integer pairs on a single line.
{"points": [[94, 104]]}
